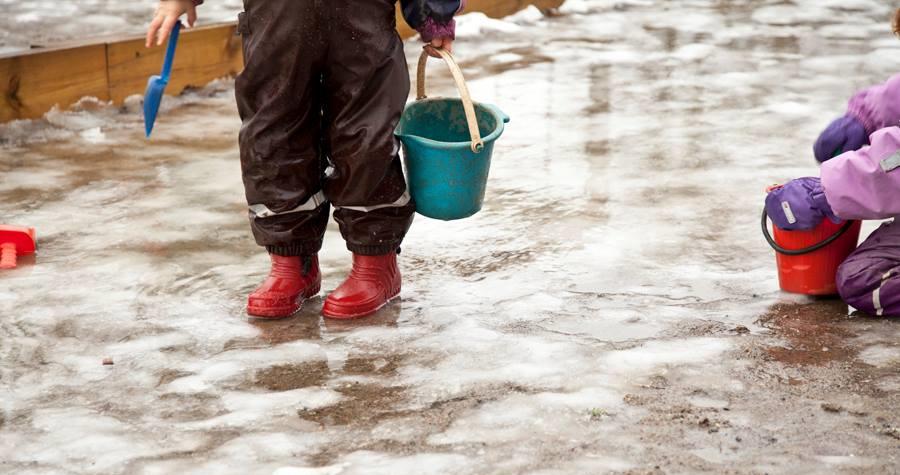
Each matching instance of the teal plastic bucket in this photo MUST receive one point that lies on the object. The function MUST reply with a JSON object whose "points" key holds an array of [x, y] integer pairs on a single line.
{"points": [[447, 149]]}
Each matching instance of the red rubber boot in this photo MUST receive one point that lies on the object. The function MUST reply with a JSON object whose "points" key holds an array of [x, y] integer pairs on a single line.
{"points": [[373, 282], [290, 282]]}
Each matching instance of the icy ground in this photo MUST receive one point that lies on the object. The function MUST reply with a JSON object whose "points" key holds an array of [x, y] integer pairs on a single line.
{"points": [[613, 309]]}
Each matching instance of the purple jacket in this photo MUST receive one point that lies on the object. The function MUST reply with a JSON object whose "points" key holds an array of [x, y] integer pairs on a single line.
{"points": [[865, 184], [877, 107]]}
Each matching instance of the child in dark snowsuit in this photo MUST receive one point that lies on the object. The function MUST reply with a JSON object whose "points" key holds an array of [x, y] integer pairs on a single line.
{"points": [[323, 87]]}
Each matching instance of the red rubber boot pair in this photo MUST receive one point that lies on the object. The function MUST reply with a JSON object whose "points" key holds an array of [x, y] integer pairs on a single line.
{"points": [[373, 282]]}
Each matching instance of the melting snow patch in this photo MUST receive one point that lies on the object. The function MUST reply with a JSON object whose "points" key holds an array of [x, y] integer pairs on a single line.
{"points": [[373, 463], [476, 24], [575, 7], [30, 17], [491, 358], [874, 7], [528, 16], [263, 446], [330, 470], [884, 58], [693, 52], [93, 135], [84, 440], [789, 15], [791, 108], [516, 417], [506, 58], [881, 356], [654, 354], [147, 344], [246, 408], [687, 23]]}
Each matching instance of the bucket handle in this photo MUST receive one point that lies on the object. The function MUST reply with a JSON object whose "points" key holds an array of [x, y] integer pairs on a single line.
{"points": [[807, 250], [468, 106]]}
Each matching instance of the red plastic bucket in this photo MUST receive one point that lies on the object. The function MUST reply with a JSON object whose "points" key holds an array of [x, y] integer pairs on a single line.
{"points": [[808, 260]]}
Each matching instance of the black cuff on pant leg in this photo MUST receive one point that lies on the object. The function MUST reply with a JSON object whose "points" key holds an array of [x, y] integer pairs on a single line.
{"points": [[376, 250], [296, 249]]}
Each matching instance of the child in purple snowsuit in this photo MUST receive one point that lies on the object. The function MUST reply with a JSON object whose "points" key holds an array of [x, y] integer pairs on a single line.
{"points": [[861, 182]]}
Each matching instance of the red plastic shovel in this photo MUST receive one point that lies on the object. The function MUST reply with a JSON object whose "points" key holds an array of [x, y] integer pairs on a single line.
{"points": [[15, 241]]}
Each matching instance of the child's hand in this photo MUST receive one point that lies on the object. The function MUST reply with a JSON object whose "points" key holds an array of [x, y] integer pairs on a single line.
{"points": [[799, 205], [445, 43], [167, 14], [846, 134]]}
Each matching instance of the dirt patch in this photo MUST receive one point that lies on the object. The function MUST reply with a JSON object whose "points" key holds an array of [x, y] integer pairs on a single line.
{"points": [[812, 333], [698, 328], [363, 405], [385, 365], [304, 326], [366, 405], [291, 376], [64, 329]]}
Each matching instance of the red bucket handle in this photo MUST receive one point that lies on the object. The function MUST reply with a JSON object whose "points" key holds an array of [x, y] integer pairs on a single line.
{"points": [[807, 250]]}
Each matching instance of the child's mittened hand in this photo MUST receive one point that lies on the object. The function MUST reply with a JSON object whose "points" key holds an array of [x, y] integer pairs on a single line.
{"points": [[799, 205], [846, 134], [167, 14]]}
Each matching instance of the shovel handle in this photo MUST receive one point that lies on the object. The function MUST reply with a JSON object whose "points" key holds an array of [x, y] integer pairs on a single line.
{"points": [[468, 105], [7, 256], [170, 53]]}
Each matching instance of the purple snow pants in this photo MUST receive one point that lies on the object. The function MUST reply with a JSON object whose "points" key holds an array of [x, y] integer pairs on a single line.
{"points": [[869, 279]]}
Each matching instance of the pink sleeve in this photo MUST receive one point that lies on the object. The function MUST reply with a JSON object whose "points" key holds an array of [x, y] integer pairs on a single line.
{"points": [[878, 106], [865, 184]]}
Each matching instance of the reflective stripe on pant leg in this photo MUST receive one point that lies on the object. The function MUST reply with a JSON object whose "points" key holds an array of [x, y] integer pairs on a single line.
{"points": [[312, 204], [399, 203], [876, 295]]}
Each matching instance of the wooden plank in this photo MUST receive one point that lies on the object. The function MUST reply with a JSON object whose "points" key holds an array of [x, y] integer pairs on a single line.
{"points": [[204, 54], [402, 28], [34, 82]]}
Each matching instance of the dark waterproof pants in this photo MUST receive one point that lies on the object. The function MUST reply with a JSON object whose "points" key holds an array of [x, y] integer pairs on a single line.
{"points": [[323, 87], [869, 279]]}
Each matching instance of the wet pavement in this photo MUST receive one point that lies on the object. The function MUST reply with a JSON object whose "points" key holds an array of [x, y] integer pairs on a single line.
{"points": [[612, 309]]}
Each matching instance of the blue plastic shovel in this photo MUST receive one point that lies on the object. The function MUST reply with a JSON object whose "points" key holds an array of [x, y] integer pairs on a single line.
{"points": [[156, 86]]}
